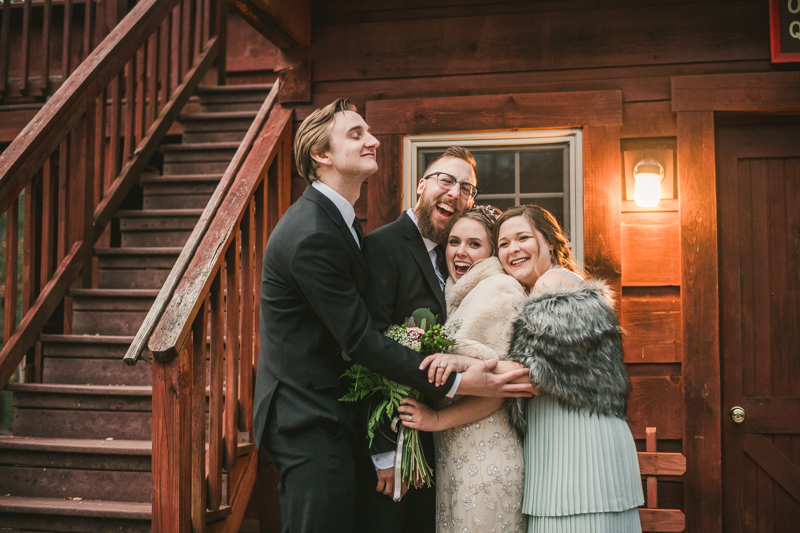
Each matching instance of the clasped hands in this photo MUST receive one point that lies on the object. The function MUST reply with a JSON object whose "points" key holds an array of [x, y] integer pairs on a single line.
{"points": [[480, 377]]}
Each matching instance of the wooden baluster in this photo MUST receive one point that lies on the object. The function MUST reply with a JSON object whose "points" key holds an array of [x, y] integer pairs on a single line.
{"points": [[49, 212], [652, 481], [198, 450], [175, 48], [130, 110], [206, 35], [100, 146], [152, 80], [5, 53], [216, 299], [172, 443], [114, 131], [197, 29], [231, 428], [141, 95], [65, 58], [186, 37], [164, 63], [246, 364], [31, 242], [260, 242], [64, 166], [47, 19], [12, 256], [88, 30], [26, 48], [221, 30], [84, 230]]}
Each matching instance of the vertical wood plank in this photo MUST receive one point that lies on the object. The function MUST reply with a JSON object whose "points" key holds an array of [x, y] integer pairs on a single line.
{"points": [[64, 166], [100, 146], [26, 47], [31, 243], [65, 47], [197, 29], [762, 312], [163, 63], [171, 445], [141, 94], [700, 292], [385, 187], [261, 201], [198, 398], [130, 107], [47, 16], [246, 363], [231, 429], [215, 421], [5, 52], [206, 33], [220, 28], [38, 362], [602, 196], [12, 256]]}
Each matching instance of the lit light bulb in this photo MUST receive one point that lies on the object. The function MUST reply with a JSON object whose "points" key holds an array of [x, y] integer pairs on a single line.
{"points": [[647, 174]]}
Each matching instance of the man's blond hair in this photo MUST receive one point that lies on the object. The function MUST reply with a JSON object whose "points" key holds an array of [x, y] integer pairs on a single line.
{"points": [[313, 137]]}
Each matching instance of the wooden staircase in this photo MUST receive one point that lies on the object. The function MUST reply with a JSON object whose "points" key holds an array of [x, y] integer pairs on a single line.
{"points": [[79, 458]]}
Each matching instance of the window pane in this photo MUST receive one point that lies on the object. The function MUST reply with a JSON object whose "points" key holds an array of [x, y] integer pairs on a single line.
{"points": [[541, 170], [495, 172], [501, 204], [554, 205]]}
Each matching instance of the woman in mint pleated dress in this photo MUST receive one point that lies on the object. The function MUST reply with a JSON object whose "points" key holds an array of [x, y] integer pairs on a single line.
{"points": [[581, 467]]}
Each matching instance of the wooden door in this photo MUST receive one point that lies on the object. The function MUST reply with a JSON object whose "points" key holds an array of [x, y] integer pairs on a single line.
{"points": [[758, 183]]}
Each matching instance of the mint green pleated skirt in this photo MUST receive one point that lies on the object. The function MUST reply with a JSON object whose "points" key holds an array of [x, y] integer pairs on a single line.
{"points": [[581, 471]]}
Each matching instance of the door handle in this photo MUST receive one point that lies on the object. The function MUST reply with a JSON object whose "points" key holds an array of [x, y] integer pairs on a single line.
{"points": [[736, 415]]}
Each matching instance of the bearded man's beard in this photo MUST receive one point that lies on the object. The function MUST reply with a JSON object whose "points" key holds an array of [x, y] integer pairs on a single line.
{"points": [[424, 210]]}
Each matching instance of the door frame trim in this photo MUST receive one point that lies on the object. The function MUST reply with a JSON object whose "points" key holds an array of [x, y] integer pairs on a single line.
{"points": [[696, 99]]}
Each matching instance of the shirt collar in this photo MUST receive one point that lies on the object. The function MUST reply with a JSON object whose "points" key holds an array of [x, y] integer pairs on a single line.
{"points": [[429, 244], [344, 207]]}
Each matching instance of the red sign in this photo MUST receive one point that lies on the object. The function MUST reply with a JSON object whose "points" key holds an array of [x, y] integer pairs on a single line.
{"points": [[784, 29]]}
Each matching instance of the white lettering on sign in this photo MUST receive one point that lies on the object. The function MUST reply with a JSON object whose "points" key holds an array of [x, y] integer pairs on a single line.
{"points": [[796, 4], [794, 29]]}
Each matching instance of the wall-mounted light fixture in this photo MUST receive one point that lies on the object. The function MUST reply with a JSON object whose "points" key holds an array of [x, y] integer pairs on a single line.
{"points": [[649, 179], [647, 175]]}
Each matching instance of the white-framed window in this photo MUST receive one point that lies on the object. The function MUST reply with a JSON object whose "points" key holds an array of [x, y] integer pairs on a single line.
{"points": [[543, 167]]}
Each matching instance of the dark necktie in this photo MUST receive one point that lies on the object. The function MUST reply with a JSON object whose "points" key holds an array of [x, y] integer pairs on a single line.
{"points": [[441, 262], [359, 231]]}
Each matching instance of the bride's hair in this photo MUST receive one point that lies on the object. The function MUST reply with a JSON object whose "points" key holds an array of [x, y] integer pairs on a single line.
{"points": [[486, 215], [543, 221]]}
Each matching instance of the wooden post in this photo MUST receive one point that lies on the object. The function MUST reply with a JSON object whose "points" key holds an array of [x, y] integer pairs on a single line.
{"points": [[215, 421], [652, 481], [172, 468], [47, 18], [12, 251], [231, 429], [198, 417], [702, 486]]}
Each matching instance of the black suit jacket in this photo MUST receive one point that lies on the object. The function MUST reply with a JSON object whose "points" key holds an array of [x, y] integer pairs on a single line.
{"points": [[313, 279], [401, 279]]}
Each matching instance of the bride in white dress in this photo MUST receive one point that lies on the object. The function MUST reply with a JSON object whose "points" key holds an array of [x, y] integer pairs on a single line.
{"points": [[479, 456]]}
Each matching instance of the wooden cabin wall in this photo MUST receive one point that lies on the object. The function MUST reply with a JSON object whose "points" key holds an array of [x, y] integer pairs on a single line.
{"points": [[402, 49]]}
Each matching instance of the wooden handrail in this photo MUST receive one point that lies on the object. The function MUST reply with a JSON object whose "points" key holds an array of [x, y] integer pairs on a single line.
{"points": [[217, 300], [80, 155], [198, 233]]}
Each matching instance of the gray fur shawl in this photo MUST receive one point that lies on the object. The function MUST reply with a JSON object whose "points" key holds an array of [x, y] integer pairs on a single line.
{"points": [[572, 342]]}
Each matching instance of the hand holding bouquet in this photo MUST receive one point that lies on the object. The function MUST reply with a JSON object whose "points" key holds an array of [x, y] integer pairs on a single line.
{"points": [[426, 338]]}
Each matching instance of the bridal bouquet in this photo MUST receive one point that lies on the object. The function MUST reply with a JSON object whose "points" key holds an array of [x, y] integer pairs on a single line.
{"points": [[422, 335]]}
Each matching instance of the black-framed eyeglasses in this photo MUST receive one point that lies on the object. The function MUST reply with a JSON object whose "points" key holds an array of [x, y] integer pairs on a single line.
{"points": [[447, 182]]}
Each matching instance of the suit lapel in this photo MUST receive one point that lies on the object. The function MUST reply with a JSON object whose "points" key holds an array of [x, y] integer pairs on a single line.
{"points": [[321, 200], [420, 254]]}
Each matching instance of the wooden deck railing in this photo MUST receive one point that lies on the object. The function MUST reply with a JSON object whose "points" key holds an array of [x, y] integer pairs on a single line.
{"points": [[33, 29], [212, 316], [653, 464], [79, 156]]}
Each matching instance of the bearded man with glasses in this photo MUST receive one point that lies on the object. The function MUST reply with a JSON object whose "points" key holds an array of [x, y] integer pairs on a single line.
{"points": [[406, 271]]}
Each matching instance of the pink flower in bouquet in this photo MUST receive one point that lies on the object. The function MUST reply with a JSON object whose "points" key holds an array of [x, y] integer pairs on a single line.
{"points": [[415, 333]]}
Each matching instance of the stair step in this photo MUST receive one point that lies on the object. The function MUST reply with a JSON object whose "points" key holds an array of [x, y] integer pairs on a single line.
{"points": [[81, 359], [216, 127], [81, 411], [130, 268], [192, 191], [68, 516], [157, 227], [84, 468], [110, 311], [198, 157], [233, 97]]}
